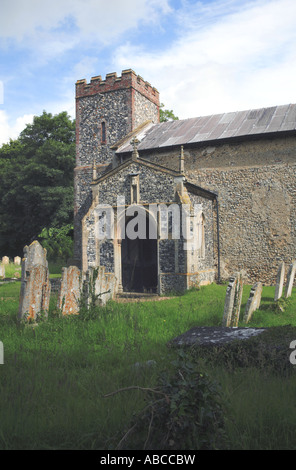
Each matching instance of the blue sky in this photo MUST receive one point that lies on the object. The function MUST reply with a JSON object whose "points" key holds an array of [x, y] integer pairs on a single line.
{"points": [[204, 57]]}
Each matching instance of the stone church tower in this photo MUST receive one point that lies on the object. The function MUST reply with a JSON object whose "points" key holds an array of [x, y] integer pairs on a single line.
{"points": [[106, 111]]}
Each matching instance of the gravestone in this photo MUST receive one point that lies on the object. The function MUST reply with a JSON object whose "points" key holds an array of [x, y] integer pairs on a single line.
{"points": [[253, 302], [233, 300], [35, 285], [279, 281], [290, 279], [17, 260], [2, 271], [70, 291], [105, 285], [229, 302], [5, 260], [237, 299]]}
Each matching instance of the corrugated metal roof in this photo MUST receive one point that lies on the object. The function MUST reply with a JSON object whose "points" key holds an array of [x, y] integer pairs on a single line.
{"points": [[216, 127]]}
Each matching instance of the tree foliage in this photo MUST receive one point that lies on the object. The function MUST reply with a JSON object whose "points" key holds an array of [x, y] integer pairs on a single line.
{"points": [[166, 114], [36, 181]]}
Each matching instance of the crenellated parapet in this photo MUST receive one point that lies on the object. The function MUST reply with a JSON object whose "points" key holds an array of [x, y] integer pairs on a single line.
{"points": [[128, 79]]}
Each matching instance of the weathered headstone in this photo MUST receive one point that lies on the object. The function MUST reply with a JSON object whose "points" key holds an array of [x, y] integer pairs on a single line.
{"points": [[253, 302], [290, 279], [105, 285], [2, 271], [35, 285], [279, 281], [5, 260], [70, 291], [229, 302], [233, 300], [237, 299], [17, 260]]}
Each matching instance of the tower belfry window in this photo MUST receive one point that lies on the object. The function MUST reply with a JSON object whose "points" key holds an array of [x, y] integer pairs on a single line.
{"points": [[103, 133]]}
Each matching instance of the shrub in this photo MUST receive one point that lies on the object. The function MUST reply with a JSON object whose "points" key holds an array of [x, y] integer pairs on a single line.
{"points": [[185, 411]]}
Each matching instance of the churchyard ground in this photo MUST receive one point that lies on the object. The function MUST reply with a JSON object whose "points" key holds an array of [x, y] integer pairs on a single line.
{"points": [[57, 371]]}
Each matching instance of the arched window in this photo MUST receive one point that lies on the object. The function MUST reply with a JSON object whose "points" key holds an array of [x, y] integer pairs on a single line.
{"points": [[201, 236], [103, 133]]}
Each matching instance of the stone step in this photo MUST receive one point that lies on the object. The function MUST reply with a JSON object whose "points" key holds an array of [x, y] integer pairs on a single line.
{"points": [[136, 295]]}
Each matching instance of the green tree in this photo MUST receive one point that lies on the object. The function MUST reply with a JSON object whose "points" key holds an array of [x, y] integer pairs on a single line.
{"points": [[166, 114], [36, 182]]}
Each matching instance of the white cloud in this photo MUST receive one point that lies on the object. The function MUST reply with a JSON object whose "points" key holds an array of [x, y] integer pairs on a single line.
{"points": [[11, 131], [97, 19], [224, 55], [235, 61]]}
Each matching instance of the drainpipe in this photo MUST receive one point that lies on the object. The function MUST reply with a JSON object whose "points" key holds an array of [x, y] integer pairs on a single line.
{"points": [[218, 238]]}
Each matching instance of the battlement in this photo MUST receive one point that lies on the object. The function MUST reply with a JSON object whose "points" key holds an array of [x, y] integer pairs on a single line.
{"points": [[128, 79]]}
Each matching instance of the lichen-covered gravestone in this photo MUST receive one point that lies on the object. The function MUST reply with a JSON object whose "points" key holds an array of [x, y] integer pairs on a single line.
{"points": [[5, 260], [35, 284], [70, 291], [105, 285]]}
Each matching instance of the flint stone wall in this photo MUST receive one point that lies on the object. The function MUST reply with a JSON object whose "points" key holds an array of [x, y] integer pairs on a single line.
{"points": [[256, 183], [122, 103]]}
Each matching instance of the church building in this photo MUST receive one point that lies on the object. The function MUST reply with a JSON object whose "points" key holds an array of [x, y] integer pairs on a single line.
{"points": [[178, 204]]}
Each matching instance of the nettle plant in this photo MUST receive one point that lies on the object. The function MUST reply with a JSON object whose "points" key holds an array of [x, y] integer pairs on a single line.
{"points": [[185, 411]]}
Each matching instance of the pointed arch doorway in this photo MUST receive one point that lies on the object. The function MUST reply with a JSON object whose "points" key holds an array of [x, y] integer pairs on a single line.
{"points": [[139, 267]]}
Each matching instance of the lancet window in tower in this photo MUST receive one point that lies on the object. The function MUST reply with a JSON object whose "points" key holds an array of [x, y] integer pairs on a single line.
{"points": [[103, 133]]}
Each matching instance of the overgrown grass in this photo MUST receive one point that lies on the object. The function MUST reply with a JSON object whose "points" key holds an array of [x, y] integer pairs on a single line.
{"points": [[56, 373], [12, 270]]}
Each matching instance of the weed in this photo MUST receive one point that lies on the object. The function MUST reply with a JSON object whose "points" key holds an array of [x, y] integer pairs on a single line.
{"points": [[185, 411]]}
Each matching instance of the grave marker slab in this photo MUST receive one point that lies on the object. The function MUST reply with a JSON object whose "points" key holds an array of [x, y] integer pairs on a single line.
{"points": [[253, 302], [290, 279], [2, 271], [17, 260], [70, 291], [279, 281], [229, 302], [35, 285], [233, 300]]}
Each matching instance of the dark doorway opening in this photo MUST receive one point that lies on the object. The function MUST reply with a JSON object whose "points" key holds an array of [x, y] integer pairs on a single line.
{"points": [[139, 264]]}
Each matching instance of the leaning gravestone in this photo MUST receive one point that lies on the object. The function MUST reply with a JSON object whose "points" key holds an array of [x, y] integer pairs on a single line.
{"points": [[70, 291], [237, 299], [233, 300], [35, 285], [279, 281], [229, 302], [253, 301], [290, 279]]}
